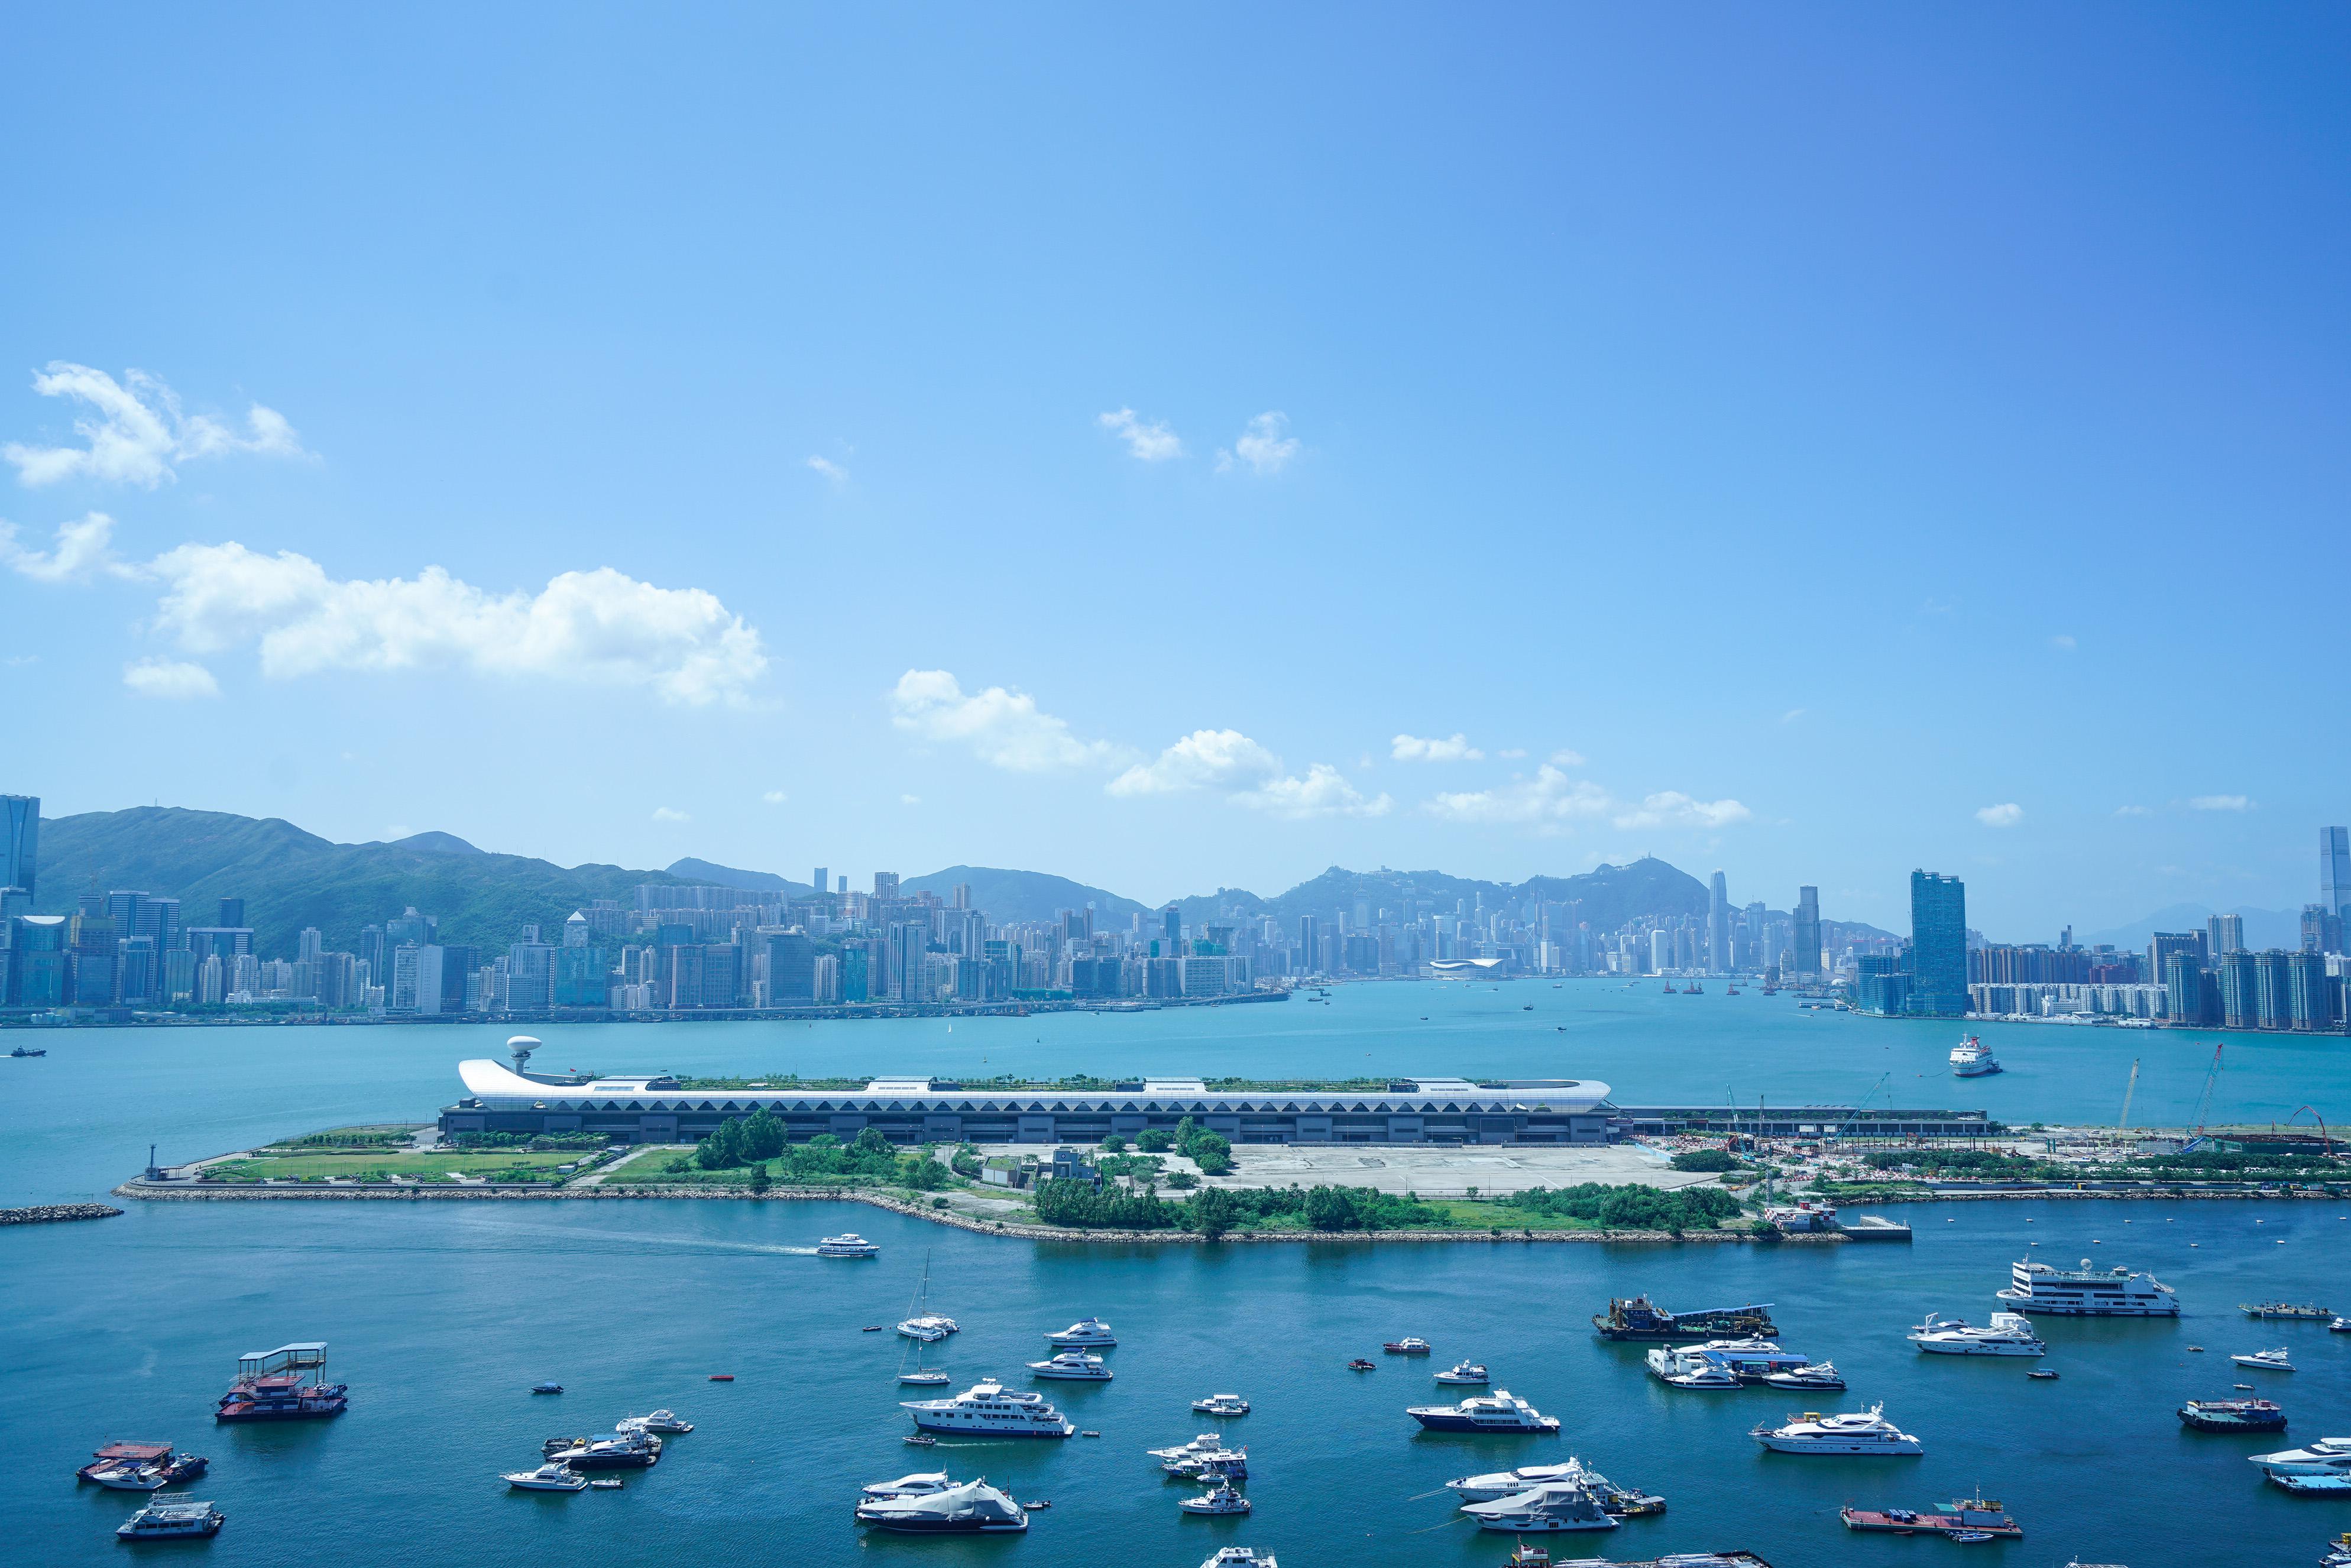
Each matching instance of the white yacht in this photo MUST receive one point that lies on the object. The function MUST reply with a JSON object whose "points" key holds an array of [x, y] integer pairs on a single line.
{"points": [[848, 1244], [1500, 1411], [2266, 1359], [1089, 1332], [974, 1508], [1560, 1505], [1222, 1499], [921, 1484], [1748, 1361], [173, 1518], [1816, 1376], [1510, 1483], [1465, 1372], [132, 1478], [1689, 1369], [1240, 1557], [928, 1327], [2008, 1334], [1971, 1058], [666, 1422], [989, 1409], [548, 1477], [1222, 1405], [1075, 1366], [1205, 1443], [1226, 1464], [1856, 1432], [2086, 1292], [2329, 1458]]}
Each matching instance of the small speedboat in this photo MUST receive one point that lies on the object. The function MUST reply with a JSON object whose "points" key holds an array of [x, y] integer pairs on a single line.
{"points": [[1222, 1405], [2266, 1359], [131, 1478], [920, 1440], [1408, 1345], [1970, 1535], [722, 1377], [1819, 1375], [546, 1477], [2043, 1373], [1224, 1499], [547, 1389], [1360, 1364], [1465, 1372], [609, 1483]]}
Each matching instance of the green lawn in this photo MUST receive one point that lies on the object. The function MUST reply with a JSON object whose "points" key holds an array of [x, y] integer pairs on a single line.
{"points": [[507, 1164]]}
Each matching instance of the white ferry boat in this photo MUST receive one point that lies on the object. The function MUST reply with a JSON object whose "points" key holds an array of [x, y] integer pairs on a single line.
{"points": [[1564, 1505], [973, 1509], [2086, 1292], [1500, 1411], [2009, 1333], [849, 1244], [1856, 1432], [1075, 1366], [1090, 1334], [174, 1518], [1974, 1059], [989, 1409]]}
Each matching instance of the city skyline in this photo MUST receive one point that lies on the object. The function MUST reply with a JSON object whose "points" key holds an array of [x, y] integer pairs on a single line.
{"points": [[1572, 476]]}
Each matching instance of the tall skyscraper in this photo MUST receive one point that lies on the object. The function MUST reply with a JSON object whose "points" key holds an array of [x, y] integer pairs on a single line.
{"points": [[1172, 937], [822, 881], [1717, 925], [232, 911], [20, 833], [885, 884], [2224, 934], [1805, 961], [1938, 945], [2334, 871]]}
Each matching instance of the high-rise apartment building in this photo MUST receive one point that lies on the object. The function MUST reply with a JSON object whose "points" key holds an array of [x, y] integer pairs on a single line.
{"points": [[2194, 945], [1938, 945], [1806, 950], [2334, 871], [885, 884], [2321, 929], [20, 833], [1717, 925], [2224, 934]]}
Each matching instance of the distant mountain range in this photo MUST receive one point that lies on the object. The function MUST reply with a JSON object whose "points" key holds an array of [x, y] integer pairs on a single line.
{"points": [[2264, 928], [290, 879]]}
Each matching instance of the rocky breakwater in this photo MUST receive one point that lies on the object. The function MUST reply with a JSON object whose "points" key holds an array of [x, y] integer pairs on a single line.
{"points": [[55, 1213]]}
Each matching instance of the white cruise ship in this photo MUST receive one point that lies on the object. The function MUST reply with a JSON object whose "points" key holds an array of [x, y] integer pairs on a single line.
{"points": [[2086, 1292], [1856, 1432], [989, 1409], [1971, 1058], [1073, 1364], [1090, 1334], [2009, 1333]]}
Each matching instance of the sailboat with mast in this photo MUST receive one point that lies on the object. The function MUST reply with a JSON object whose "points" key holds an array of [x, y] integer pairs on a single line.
{"points": [[923, 1375]]}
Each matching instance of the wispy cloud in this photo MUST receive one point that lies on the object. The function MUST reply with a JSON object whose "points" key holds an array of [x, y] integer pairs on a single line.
{"points": [[1549, 797], [1148, 441], [1511, 753], [910, 800], [1004, 729], [1454, 748], [1265, 447], [834, 474], [2064, 642], [2219, 803], [774, 797], [79, 550], [1250, 775], [136, 432], [671, 814], [1564, 758], [2132, 811], [1793, 714], [2005, 815], [170, 680], [1323, 791], [1671, 807]]}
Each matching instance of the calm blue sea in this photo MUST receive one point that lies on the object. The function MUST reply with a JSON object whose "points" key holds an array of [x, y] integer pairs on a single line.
{"points": [[441, 1316]]}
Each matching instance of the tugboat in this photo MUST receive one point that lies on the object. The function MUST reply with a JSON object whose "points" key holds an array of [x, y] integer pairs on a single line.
{"points": [[1638, 1318], [2233, 1415], [177, 1517], [24, 1050], [269, 1386]]}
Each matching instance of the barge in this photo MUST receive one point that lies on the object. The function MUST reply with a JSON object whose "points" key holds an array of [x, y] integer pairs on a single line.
{"points": [[1965, 1513], [1638, 1318]]}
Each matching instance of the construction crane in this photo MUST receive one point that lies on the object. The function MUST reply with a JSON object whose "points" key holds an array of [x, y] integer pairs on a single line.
{"points": [[2122, 1122], [2204, 1100]]}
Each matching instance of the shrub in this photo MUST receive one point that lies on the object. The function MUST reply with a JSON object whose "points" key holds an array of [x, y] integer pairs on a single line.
{"points": [[1212, 1152], [1183, 1181], [1154, 1141], [1114, 1145], [759, 1176], [1704, 1160]]}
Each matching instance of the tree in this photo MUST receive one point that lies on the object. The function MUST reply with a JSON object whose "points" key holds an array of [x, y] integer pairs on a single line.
{"points": [[1185, 1131], [762, 1134], [1114, 1145], [722, 1149], [1704, 1160], [1153, 1141], [1213, 1212], [871, 1141], [1332, 1209], [1212, 1152], [759, 1176], [1183, 1181]]}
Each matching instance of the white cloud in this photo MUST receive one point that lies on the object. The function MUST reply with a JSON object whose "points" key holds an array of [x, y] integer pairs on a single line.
{"points": [[1511, 751], [1671, 807], [136, 432], [1566, 758], [1004, 729], [671, 814], [910, 800], [2219, 803], [1550, 798], [597, 628], [1412, 749], [1263, 448], [170, 680], [1152, 442], [2005, 815], [1793, 714], [1204, 760], [2063, 641], [774, 797], [832, 471], [1322, 792], [80, 550], [2132, 811]]}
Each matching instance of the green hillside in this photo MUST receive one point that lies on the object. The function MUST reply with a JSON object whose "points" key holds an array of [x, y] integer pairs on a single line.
{"points": [[1013, 896]]}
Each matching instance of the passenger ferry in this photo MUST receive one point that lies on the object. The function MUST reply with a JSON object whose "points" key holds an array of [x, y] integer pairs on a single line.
{"points": [[989, 1409], [1500, 1411], [269, 1386], [176, 1518], [1861, 1432], [848, 1244], [2086, 1292]]}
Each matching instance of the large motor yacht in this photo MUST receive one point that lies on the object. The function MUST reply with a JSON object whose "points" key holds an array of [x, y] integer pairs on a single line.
{"points": [[918, 1485], [1816, 1376], [989, 1409], [665, 1422], [1500, 1411], [635, 1449], [848, 1244], [2322, 1467], [1856, 1432], [1510, 1483], [549, 1477], [2008, 1334], [1240, 1557], [1222, 1405], [1971, 1058], [1722, 1363], [1465, 1372], [173, 1518], [1205, 1443], [2086, 1292], [1075, 1366], [1560, 1505], [1226, 1464], [1091, 1334], [973, 1509], [1222, 1499]]}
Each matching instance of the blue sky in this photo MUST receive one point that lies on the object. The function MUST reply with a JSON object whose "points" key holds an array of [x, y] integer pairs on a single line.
{"points": [[1811, 442]]}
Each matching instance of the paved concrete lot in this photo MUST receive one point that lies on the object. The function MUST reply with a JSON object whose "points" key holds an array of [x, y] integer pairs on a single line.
{"points": [[1447, 1171]]}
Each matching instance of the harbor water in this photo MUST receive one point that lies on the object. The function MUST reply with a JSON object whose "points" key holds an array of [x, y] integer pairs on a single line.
{"points": [[442, 1315]]}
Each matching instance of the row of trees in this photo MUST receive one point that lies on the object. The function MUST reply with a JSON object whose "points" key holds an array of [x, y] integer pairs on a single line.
{"points": [[760, 1138], [1212, 1152], [1629, 1208], [1213, 1211]]}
